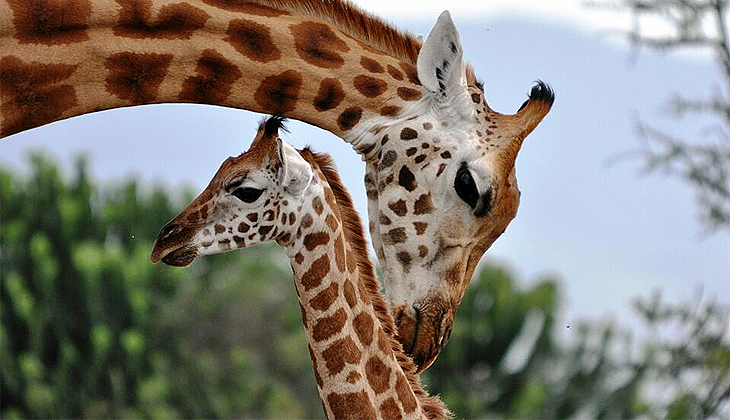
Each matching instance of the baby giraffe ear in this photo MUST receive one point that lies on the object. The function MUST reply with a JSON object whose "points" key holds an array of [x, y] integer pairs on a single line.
{"points": [[296, 173], [440, 64]]}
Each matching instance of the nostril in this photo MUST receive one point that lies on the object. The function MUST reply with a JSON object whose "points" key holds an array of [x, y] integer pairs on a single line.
{"points": [[169, 229]]}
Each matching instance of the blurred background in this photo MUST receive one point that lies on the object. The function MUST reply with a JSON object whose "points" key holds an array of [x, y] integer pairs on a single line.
{"points": [[607, 296]]}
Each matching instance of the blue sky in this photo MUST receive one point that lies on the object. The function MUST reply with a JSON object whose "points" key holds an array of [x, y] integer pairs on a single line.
{"points": [[608, 231]]}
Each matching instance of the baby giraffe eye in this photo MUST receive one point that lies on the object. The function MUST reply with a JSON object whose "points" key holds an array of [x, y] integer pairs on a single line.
{"points": [[465, 186], [248, 194]]}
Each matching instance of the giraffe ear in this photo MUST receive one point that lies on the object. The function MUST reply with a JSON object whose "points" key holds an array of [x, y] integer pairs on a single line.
{"points": [[296, 173], [440, 64]]}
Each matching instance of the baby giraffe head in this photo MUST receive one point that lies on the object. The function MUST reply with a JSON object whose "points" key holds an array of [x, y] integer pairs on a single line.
{"points": [[251, 199]]}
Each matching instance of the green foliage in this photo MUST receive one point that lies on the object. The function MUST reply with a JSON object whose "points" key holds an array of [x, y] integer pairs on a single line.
{"points": [[91, 328]]}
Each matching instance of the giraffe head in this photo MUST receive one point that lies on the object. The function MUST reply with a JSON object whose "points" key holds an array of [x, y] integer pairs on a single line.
{"points": [[441, 188], [251, 199]]}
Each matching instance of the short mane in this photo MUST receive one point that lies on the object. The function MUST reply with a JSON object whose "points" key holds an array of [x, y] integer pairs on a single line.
{"points": [[355, 236], [354, 21]]}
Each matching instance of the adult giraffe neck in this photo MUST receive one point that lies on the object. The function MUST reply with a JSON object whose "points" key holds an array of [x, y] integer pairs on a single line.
{"points": [[62, 59]]}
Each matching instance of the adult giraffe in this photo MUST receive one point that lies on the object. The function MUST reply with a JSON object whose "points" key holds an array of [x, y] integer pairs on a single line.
{"points": [[272, 192], [440, 163]]}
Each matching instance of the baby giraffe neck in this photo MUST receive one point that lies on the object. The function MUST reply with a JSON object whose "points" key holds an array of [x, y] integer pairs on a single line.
{"points": [[360, 368]]}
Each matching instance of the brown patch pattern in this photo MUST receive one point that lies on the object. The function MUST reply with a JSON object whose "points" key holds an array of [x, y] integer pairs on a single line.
{"points": [[405, 395], [349, 291], [319, 268], [31, 93], [369, 87], [327, 326], [406, 179], [390, 110], [50, 22], [339, 353], [408, 94], [253, 40], [340, 254], [378, 374], [279, 94], [423, 205], [324, 299], [329, 95], [317, 44], [349, 118], [174, 21], [313, 240], [364, 327], [398, 207], [213, 83], [354, 405], [135, 77], [389, 410]]}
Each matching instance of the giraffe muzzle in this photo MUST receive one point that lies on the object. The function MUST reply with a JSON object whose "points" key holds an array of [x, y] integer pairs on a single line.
{"points": [[424, 329], [173, 247]]}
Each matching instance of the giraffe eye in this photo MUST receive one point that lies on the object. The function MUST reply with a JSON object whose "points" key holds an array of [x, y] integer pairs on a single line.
{"points": [[465, 186], [248, 194]]}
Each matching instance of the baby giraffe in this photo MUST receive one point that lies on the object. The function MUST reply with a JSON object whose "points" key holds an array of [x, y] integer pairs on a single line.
{"points": [[274, 192]]}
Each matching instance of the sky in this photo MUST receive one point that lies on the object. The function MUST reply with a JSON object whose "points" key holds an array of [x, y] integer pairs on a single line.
{"points": [[608, 231]]}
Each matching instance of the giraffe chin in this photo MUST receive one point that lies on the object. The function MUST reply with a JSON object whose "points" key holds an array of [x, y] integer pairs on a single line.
{"points": [[178, 257], [423, 330]]}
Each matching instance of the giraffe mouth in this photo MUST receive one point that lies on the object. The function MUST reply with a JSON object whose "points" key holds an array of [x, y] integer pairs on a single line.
{"points": [[181, 257], [173, 246], [423, 330]]}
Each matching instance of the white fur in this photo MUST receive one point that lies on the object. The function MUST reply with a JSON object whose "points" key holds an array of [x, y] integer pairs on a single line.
{"points": [[296, 172]]}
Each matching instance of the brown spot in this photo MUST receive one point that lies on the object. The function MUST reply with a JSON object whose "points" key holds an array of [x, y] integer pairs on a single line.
{"points": [[349, 118], [389, 410], [405, 393], [422, 250], [389, 111], [340, 254], [241, 242], [318, 45], [384, 140], [253, 40], [378, 374], [383, 342], [317, 205], [397, 235], [388, 159], [299, 258], [364, 327], [419, 158], [327, 326], [423, 205], [427, 126], [219, 228], [315, 365], [213, 83], [353, 405], [398, 207], [192, 216], [420, 227], [383, 219], [325, 298], [349, 292], [339, 353], [247, 7], [411, 72], [408, 134], [135, 77], [307, 220], [50, 22], [31, 95], [404, 259], [353, 377], [395, 73], [330, 94], [313, 240], [279, 94], [446, 155], [319, 268], [408, 94], [268, 215], [351, 261], [411, 151], [476, 98], [441, 169], [285, 238], [371, 65], [406, 179], [252, 217], [292, 218], [331, 222], [174, 21], [263, 230], [369, 87]]}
